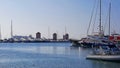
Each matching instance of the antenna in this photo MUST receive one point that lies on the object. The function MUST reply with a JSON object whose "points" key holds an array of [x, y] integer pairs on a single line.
{"points": [[11, 30]]}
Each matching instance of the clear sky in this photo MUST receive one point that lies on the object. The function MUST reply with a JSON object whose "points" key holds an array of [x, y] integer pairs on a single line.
{"points": [[31, 16]]}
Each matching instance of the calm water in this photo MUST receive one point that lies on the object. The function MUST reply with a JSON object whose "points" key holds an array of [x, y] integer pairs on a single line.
{"points": [[47, 55]]}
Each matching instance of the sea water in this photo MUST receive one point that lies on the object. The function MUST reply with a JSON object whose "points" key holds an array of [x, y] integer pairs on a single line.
{"points": [[48, 55]]}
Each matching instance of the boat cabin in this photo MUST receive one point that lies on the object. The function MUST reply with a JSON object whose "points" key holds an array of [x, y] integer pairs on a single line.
{"points": [[103, 49]]}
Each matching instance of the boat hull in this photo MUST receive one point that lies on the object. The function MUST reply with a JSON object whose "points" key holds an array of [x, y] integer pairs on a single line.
{"points": [[83, 44], [115, 58]]}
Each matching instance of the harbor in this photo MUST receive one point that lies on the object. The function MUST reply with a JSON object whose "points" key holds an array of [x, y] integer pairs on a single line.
{"points": [[59, 34]]}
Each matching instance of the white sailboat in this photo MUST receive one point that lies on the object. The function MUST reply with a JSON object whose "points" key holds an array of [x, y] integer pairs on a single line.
{"points": [[107, 52], [90, 40]]}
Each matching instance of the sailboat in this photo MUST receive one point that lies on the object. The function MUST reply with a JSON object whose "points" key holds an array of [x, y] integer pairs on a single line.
{"points": [[106, 52], [91, 40]]}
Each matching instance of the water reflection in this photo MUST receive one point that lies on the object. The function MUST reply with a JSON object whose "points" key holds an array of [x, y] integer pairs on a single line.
{"points": [[103, 64], [48, 56], [53, 50], [45, 50], [6, 60]]}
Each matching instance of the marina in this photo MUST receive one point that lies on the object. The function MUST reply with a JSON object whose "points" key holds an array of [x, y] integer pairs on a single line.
{"points": [[59, 34]]}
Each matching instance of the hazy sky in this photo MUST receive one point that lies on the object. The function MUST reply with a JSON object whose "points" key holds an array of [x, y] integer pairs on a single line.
{"points": [[31, 16]]}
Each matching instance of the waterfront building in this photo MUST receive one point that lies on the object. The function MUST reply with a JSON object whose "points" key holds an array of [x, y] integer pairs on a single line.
{"points": [[63, 37], [38, 35], [54, 36], [66, 36], [22, 38]]}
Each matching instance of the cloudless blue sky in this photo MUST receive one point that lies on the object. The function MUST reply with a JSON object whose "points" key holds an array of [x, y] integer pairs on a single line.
{"points": [[31, 16]]}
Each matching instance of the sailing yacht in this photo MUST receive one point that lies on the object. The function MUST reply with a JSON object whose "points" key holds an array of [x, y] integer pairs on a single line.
{"points": [[90, 40], [108, 51]]}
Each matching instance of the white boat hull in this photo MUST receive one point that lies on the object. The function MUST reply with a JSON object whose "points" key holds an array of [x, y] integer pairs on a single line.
{"points": [[104, 57]]}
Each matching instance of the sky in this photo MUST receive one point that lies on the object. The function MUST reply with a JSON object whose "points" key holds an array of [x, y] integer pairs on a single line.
{"points": [[31, 16]]}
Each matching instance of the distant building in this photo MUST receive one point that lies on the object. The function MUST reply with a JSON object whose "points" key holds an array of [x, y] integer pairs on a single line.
{"points": [[66, 36], [63, 37], [38, 35], [22, 38], [54, 36]]}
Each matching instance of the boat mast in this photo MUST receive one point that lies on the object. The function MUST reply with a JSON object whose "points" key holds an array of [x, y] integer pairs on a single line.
{"points": [[91, 17], [11, 30], [48, 32], [0, 33], [65, 30], [100, 31], [109, 16]]}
